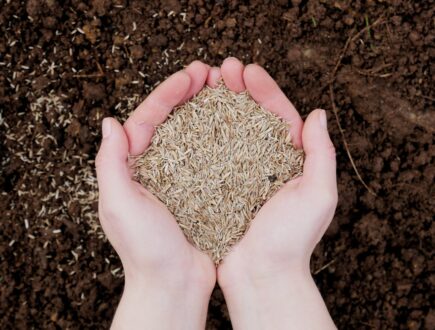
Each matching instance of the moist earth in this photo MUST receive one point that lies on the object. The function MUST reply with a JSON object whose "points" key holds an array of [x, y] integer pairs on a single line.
{"points": [[66, 64]]}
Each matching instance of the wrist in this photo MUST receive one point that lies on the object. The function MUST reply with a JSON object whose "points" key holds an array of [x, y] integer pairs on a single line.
{"points": [[144, 304], [285, 299], [262, 283], [195, 275], [241, 269], [175, 288]]}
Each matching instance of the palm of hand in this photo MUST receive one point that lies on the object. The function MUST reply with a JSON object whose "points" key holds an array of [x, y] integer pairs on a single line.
{"points": [[152, 238]]}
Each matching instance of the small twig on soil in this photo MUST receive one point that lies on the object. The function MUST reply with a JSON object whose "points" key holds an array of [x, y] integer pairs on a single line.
{"points": [[383, 75], [373, 72], [324, 267], [377, 69], [91, 75], [368, 27], [332, 96], [349, 40], [428, 98], [367, 324], [346, 146], [100, 73], [340, 58]]}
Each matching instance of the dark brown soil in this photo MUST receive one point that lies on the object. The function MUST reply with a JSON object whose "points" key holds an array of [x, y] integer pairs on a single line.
{"points": [[65, 66]]}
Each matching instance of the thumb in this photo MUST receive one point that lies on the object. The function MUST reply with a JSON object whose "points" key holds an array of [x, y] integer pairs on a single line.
{"points": [[320, 163], [114, 178]]}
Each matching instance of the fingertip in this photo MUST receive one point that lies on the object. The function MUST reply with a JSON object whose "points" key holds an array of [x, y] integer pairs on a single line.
{"points": [[322, 118], [106, 127], [198, 72], [197, 63], [111, 163], [214, 75], [232, 74], [320, 160], [260, 84], [165, 96], [154, 110], [112, 127], [180, 82], [315, 131], [114, 144], [251, 75], [251, 69], [231, 59]]}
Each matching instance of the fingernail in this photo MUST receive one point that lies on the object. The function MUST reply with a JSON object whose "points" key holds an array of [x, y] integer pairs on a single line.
{"points": [[322, 118], [107, 127]]}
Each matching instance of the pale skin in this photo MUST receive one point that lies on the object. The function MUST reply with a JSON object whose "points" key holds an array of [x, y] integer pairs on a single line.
{"points": [[266, 278]]}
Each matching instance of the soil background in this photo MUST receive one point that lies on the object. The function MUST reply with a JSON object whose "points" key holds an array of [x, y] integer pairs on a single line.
{"points": [[64, 65]]}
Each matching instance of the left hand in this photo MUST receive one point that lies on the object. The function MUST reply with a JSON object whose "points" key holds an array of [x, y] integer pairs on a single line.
{"points": [[268, 270]]}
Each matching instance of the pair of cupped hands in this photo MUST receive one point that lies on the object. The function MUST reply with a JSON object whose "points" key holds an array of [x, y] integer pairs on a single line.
{"points": [[266, 276]]}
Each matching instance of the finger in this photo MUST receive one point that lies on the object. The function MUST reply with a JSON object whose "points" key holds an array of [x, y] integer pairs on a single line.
{"points": [[198, 73], [232, 74], [214, 75], [154, 110], [266, 92], [320, 164], [114, 178]]}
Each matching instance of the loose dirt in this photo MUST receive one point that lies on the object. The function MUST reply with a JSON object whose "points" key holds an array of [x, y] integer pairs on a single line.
{"points": [[66, 65]]}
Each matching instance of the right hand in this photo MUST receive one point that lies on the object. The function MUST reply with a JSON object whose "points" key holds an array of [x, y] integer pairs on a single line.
{"points": [[166, 278]]}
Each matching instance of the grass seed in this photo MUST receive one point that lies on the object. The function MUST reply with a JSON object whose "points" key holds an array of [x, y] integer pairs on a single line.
{"points": [[214, 162]]}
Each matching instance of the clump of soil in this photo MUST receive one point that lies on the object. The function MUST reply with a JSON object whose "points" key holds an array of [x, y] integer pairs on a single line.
{"points": [[215, 162]]}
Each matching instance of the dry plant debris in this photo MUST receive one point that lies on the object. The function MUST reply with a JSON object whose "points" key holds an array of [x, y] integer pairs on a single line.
{"points": [[214, 162]]}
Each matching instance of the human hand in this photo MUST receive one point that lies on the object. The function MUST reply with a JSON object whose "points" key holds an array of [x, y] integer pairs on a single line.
{"points": [[166, 278], [266, 277]]}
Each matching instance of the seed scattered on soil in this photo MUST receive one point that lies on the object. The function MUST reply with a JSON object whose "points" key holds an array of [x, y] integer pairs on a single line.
{"points": [[214, 162]]}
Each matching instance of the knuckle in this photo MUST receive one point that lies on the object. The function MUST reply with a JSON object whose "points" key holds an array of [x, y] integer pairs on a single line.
{"points": [[330, 150], [99, 160]]}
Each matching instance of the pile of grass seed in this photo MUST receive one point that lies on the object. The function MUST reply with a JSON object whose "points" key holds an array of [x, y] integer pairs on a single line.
{"points": [[214, 162]]}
